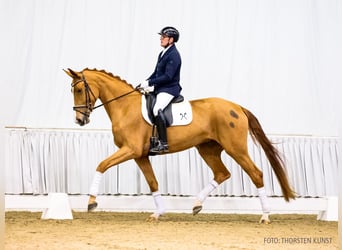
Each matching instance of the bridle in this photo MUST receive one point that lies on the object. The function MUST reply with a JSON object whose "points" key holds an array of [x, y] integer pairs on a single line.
{"points": [[88, 92]]}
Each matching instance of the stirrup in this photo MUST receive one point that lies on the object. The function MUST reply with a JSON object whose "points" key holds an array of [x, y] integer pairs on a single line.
{"points": [[160, 148]]}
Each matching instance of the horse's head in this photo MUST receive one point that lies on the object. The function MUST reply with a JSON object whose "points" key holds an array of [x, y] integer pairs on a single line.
{"points": [[84, 96]]}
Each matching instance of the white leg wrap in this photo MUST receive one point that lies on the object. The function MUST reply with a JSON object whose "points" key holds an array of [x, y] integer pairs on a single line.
{"points": [[207, 190], [264, 200], [94, 188], [158, 201]]}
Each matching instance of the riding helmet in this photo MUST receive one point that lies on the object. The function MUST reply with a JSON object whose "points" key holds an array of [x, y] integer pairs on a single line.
{"points": [[170, 32]]}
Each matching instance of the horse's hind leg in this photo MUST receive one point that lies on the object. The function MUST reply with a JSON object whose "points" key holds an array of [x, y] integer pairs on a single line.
{"points": [[243, 159], [211, 154]]}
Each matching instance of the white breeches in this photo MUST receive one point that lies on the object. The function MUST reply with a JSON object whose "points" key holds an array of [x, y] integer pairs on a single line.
{"points": [[163, 99]]}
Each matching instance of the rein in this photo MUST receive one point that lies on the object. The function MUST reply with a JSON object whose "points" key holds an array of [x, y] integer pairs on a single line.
{"points": [[88, 91], [113, 99]]}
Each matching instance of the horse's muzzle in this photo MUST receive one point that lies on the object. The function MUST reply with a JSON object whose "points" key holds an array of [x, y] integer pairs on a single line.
{"points": [[83, 120]]}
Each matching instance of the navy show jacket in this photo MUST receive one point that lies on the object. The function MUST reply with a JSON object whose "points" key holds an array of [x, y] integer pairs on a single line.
{"points": [[166, 75]]}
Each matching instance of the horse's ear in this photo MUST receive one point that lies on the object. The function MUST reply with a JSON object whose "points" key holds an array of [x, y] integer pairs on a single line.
{"points": [[71, 73]]}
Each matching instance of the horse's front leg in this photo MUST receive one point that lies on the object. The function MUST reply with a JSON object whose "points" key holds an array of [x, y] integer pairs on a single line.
{"points": [[122, 155], [145, 166]]}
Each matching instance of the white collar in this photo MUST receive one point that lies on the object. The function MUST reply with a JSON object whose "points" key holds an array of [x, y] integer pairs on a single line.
{"points": [[163, 52]]}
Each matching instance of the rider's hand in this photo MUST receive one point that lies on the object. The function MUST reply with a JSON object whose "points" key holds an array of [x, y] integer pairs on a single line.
{"points": [[144, 84], [149, 89], [145, 90]]}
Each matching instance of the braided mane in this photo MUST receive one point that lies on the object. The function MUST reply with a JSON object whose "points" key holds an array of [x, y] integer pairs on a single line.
{"points": [[109, 74]]}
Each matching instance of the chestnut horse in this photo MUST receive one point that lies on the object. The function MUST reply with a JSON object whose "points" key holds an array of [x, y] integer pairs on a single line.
{"points": [[217, 125]]}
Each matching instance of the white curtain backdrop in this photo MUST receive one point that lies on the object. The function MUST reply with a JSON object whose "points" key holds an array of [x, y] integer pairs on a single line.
{"points": [[43, 161], [279, 58]]}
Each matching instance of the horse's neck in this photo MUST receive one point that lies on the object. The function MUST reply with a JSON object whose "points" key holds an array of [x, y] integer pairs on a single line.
{"points": [[116, 91], [113, 88]]}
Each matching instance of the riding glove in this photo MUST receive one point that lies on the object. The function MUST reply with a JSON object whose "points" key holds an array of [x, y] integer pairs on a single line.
{"points": [[144, 84], [149, 89]]}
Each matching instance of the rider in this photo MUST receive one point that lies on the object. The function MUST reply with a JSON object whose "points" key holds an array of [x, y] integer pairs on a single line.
{"points": [[164, 82]]}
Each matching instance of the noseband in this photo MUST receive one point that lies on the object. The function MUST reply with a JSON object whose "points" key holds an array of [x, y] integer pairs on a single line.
{"points": [[89, 92]]}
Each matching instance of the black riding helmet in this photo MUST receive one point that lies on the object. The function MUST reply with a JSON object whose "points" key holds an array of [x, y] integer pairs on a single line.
{"points": [[170, 32]]}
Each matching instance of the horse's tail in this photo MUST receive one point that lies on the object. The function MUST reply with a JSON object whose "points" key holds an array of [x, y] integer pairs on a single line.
{"points": [[271, 152]]}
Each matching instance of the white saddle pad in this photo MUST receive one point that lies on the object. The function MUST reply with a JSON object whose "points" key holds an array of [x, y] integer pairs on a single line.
{"points": [[181, 112]]}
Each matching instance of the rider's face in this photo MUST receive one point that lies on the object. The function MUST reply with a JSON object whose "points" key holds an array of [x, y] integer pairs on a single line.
{"points": [[165, 41]]}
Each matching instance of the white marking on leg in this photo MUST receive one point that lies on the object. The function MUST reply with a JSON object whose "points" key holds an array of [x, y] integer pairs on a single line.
{"points": [[94, 188], [206, 191], [159, 202], [203, 195], [264, 200], [264, 205]]}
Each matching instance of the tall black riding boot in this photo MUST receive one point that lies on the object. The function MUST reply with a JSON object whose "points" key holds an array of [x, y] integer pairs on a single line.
{"points": [[162, 146]]}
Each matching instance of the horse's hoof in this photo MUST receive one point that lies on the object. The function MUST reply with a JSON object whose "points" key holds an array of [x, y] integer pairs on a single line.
{"points": [[266, 222], [92, 206], [196, 209], [265, 219], [153, 218]]}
